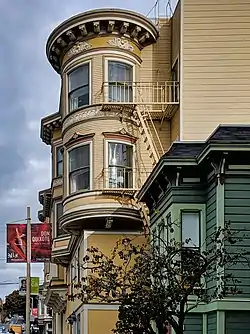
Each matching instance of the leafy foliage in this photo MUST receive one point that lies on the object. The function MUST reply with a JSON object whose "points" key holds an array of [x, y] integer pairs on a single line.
{"points": [[14, 303], [157, 282]]}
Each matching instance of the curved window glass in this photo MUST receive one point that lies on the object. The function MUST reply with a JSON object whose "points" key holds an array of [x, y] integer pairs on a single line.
{"points": [[120, 78], [120, 168], [79, 87], [79, 168]]}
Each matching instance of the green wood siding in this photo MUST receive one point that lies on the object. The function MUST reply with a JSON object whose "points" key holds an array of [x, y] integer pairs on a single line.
{"points": [[211, 225], [237, 211], [193, 324], [212, 323], [237, 322]]}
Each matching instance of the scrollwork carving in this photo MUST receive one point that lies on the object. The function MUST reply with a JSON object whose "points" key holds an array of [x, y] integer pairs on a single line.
{"points": [[121, 43], [79, 47]]}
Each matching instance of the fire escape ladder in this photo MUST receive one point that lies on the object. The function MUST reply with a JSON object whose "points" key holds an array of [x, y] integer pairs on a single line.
{"points": [[148, 131]]}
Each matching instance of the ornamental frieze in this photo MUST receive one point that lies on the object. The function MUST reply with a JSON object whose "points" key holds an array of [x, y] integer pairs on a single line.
{"points": [[121, 43], [85, 114], [78, 47]]}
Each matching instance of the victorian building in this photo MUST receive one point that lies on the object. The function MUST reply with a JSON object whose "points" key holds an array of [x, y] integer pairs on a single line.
{"points": [[129, 89]]}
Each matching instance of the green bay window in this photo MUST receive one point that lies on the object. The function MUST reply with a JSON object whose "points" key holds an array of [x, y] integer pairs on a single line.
{"points": [[78, 93], [79, 168], [120, 78], [120, 165]]}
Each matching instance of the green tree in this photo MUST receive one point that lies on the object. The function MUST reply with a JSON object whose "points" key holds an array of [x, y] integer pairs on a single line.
{"points": [[153, 282], [14, 303]]}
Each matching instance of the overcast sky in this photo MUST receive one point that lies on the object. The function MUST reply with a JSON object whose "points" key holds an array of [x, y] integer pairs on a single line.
{"points": [[29, 91]]}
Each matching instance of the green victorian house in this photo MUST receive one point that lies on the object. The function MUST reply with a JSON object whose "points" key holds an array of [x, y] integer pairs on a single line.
{"points": [[204, 184]]}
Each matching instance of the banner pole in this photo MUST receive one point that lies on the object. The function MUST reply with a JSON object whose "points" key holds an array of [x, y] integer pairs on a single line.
{"points": [[28, 280]]}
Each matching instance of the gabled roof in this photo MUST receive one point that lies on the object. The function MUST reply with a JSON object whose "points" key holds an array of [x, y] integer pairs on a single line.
{"points": [[181, 153]]}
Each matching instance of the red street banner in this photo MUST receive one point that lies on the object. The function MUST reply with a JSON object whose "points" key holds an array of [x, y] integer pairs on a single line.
{"points": [[16, 243], [40, 242]]}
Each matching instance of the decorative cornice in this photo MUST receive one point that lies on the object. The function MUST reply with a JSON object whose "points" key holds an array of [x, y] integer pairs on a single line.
{"points": [[122, 134], [121, 43], [79, 47], [77, 138], [48, 125], [89, 113], [80, 219], [101, 22]]}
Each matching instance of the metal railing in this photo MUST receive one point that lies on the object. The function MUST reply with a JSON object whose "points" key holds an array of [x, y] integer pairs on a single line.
{"points": [[121, 178], [148, 93]]}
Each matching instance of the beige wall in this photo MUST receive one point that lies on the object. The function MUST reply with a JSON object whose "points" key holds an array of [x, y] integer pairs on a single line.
{"points": [[101, 321], [216, 65]]}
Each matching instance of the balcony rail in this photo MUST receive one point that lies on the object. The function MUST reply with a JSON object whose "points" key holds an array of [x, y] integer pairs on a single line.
{"points": [[121, 178], [145, 93]]}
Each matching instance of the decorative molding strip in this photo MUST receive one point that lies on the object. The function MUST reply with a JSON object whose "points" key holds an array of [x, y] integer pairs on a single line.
{"points": [[85, 114], [78, 137], [79, 47], [121, 43]]}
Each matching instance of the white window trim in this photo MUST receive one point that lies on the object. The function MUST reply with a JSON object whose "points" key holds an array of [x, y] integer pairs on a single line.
{"points": [[106, 72], [90, 143], [89, 62], [106, 163], [56, 202]]}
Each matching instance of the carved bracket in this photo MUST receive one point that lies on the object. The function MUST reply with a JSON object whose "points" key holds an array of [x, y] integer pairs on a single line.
{"points": [[219, 169]]}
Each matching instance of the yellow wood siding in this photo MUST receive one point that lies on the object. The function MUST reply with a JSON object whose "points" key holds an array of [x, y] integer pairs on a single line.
{"points": [[175, 126], [175, 33], [216, 65]]}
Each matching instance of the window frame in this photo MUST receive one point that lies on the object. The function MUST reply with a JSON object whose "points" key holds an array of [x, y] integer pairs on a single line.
{"points": [[57, 145], [57, 148], [56, 203], [106, 75], [106, 164], [90, 143], [68, 72]]}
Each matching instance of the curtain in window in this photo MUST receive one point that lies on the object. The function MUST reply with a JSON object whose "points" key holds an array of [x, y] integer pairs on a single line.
{"points": [[120, 77], [120, 159]]}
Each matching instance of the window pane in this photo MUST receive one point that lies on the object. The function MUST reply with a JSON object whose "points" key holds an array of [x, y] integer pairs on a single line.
{"points": [[59, 210], [79, 180], [59, 170], [120, 177], [79, 158], [121, 72], [162, 237], [59, 154], [59, 213], [79, 98], [191, 228], [120, 155], [79, 77]]}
